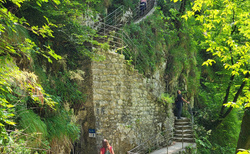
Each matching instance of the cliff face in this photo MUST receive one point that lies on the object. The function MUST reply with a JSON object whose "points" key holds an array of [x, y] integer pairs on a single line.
{"points": [[109, 98], [122, 106]]}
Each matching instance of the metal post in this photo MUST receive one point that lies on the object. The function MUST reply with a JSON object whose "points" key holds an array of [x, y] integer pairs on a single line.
{"points": [[182, 137], [104, 27], [135, 56], [122, 41], [115, 18], [167, 143], [167, 149]]}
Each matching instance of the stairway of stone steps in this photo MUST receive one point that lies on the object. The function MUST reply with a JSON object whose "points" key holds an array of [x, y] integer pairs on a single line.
{"points": [[183, 131]]}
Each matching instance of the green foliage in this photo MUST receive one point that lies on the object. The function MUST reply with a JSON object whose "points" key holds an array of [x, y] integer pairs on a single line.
{"points": [[63, 85], [19, 142], [149, 51], [60, 126], [6, 110], [226, 35], [31, 122], [132, 4], [14, 144], [224, 139], [167, 99], [18, 88], [167, 5], [202, 140]]}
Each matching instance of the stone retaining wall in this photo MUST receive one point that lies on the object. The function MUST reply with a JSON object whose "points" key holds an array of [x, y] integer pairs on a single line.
{"points": [[125, 105]]}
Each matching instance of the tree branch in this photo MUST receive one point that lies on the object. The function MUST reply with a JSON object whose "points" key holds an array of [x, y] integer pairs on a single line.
{"points": [[182, 7], [227, 91], [227, 95], [237, 95], [222, 116]]}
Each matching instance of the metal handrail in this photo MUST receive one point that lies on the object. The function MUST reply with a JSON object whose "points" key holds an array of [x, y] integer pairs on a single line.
{"points": [[192, 122], [191, 113], [137, 12], [111, 19], [116, 14], [123, 35], [113, 12], [154, 141]]}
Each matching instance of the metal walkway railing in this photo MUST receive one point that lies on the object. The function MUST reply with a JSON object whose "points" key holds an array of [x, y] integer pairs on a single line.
{"points": [[110, 30], [120, 42], [120, 16]]}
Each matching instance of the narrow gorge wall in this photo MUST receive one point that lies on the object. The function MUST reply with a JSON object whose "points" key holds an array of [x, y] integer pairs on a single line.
{"points": [[124, 104]]}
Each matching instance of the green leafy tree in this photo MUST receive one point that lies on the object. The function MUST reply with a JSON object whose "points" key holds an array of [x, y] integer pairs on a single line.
{"points": [[226, 31], [225, 25]]}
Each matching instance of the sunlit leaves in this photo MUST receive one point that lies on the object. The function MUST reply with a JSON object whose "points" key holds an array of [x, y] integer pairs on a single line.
{"points": [[220, 25], [233, 104], [244, 152], [50, 53], [226, 27], [188, 15], [18, 2], [57, 2], [12, 43], [6, 112], [175, 1], [209, 62]]}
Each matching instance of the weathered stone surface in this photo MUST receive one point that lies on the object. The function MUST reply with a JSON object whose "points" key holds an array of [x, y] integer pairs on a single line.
{"points": [[124, 106]]}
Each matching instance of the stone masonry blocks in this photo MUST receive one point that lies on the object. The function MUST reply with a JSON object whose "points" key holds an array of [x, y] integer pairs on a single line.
{"points": [[126, 109]]}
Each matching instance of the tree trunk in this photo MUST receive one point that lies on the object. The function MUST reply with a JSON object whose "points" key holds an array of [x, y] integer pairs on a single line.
{"points": [[244, 137]]}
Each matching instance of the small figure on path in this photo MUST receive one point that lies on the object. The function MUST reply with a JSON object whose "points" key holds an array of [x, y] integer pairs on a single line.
{"points": [[106, 148], [143, 6], [179, 104]]}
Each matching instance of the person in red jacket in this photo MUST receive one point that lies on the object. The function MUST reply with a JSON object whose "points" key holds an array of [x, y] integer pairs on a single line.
{"points": [[106, 148]]}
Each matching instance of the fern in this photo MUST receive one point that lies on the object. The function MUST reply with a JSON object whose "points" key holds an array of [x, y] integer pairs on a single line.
{"points": [[32, 123], [60, 126], [34, 127]]}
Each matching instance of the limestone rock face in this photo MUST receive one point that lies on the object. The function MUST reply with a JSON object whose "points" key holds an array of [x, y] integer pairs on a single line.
{"points": [[122, 106]]}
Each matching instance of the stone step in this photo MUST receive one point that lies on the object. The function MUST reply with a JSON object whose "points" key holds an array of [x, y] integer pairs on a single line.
{"points": [[179, 139], [187, 131], [184, 135], [182, 123], [183, 127], [183, 119]]}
